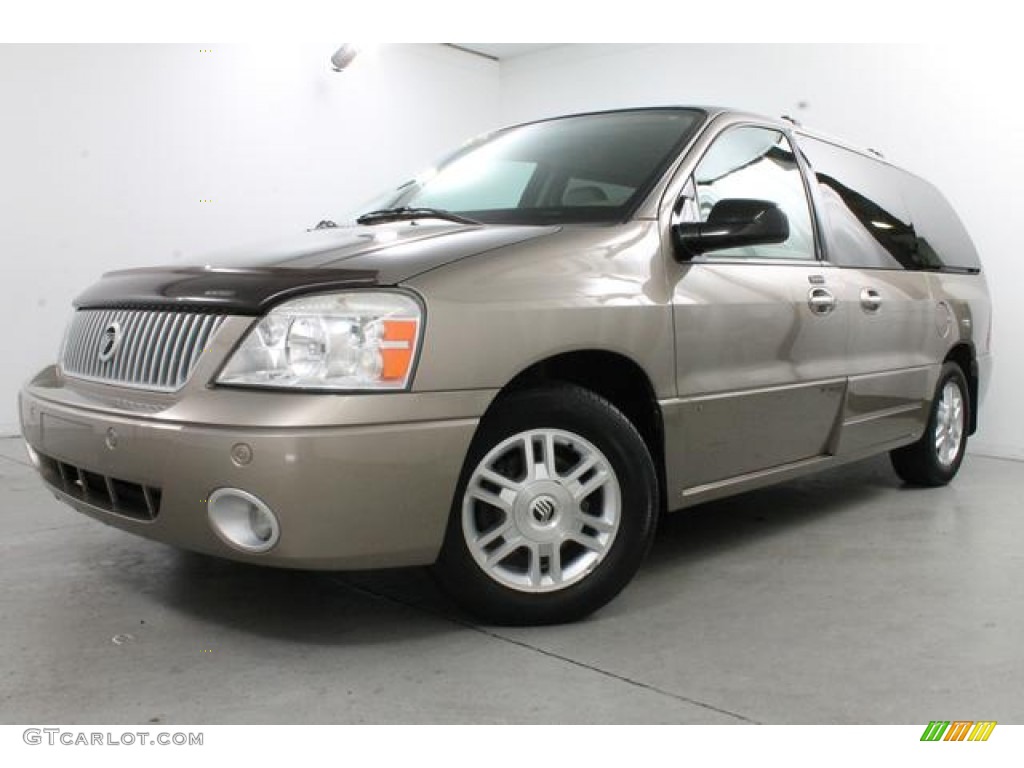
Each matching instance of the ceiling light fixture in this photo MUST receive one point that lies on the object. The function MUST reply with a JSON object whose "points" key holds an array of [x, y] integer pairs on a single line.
{"points": [[344, 56]]}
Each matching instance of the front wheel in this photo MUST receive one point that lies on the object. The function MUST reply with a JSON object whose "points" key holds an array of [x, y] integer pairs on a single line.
{"points": [[935, 459], [554, 510]]}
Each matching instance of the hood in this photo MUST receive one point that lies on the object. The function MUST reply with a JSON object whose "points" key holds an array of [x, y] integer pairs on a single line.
{"points": [[250, 281]]}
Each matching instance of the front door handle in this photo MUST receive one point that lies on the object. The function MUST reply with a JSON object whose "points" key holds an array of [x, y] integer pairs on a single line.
{"points": [[870, 300], [821, 301]]}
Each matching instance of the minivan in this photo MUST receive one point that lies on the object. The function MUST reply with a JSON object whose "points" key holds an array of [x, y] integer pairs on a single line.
{"points": [[511, 366]]}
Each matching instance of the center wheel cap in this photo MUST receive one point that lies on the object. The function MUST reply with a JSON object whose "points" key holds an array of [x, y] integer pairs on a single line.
{"points": [[543, 509]]}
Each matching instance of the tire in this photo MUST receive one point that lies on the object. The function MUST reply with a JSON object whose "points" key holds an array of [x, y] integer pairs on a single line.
{"points": [[554, 510], [935, 459]]}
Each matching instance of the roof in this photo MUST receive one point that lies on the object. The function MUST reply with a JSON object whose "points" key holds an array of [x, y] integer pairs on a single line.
{"points": [[713, 112]]}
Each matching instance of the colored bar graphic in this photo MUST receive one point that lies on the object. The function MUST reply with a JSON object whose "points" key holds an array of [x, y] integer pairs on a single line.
{"points": [[982, 730], [958, 730]]}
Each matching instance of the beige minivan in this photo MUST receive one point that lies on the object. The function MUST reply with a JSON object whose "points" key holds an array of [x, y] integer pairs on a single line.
{"points": [[512, 365]]}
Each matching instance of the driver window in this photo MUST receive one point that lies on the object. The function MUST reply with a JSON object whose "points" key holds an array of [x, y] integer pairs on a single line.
{"points": [[752, 163]]}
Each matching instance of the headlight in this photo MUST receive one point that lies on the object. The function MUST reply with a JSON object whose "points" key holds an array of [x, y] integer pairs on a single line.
{"points": [[352, 340]]}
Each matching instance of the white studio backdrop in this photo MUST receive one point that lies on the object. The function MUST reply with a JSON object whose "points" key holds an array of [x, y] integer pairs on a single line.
{"points": [[108, 153]]}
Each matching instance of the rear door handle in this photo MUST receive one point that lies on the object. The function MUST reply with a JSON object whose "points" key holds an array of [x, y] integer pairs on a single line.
{"points": [[870, 300], [821, 301]]}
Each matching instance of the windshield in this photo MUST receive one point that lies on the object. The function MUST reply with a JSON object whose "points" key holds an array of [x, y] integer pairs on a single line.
{"points": [[595, 168]]}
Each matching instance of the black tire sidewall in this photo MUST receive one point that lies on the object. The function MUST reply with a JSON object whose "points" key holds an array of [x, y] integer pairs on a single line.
{"points": [[578, 411]]}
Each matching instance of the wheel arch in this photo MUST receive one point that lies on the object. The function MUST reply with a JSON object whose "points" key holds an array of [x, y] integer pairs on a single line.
{"points": [[613, 376], [964, 356]]}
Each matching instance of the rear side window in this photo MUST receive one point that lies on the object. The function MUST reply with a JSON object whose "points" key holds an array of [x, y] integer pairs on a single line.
{"points": [[941, 236], [880, 217], [869, 225]]}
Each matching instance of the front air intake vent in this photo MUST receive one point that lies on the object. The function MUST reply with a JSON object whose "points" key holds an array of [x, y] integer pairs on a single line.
{"points": [[141, 502]]}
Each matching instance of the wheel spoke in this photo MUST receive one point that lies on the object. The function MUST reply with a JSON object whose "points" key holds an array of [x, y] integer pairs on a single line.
{"points": [[599, 524], [528, 458], [500, 501], [590, 542], [484, 540], [505, 483], [582, 491], [506, 549], [584, 466], [541, 464], [555, 563], [549, 456], [535, 574]]}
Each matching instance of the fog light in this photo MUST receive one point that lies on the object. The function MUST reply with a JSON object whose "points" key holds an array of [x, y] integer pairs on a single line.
{"points": [[242, 520]]}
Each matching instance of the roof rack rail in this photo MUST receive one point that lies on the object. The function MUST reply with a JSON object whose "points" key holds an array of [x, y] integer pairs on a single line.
{"points": [[876, 153], [792, 120]]}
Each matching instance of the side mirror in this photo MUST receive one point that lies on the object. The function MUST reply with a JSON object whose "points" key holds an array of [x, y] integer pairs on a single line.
{"points": [[732, 224]]}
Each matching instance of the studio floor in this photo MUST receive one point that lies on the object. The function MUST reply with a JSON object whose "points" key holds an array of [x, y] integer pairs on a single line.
{"points": [[842, 598]]}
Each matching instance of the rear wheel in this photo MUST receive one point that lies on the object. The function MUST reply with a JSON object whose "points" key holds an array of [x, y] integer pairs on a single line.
{"points": [[554, 511], [935, 458]]}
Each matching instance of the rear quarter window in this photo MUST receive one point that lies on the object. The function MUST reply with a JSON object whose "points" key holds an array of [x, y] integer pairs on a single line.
{"points": [[880, 217], [940, 233], [867, 221]]}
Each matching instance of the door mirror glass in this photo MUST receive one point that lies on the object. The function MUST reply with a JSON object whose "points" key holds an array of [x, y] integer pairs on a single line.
{"points": [[732, 223]]}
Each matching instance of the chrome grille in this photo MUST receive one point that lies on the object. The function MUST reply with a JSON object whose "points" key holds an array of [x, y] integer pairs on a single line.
{"points": [[157, 350]]}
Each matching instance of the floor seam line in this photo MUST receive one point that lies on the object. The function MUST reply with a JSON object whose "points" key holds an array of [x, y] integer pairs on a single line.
{"points": [[19, 462], [550, 654], [610, 674]]}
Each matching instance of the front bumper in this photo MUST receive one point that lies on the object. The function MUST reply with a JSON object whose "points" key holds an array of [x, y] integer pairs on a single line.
{"points": [[349, 491]]}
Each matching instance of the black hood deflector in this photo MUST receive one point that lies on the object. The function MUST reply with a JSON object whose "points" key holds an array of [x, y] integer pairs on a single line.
{"points": [[322, 260]]}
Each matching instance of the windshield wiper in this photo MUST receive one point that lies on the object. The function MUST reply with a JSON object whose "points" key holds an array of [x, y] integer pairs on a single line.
{"points": [[404, 213]]}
